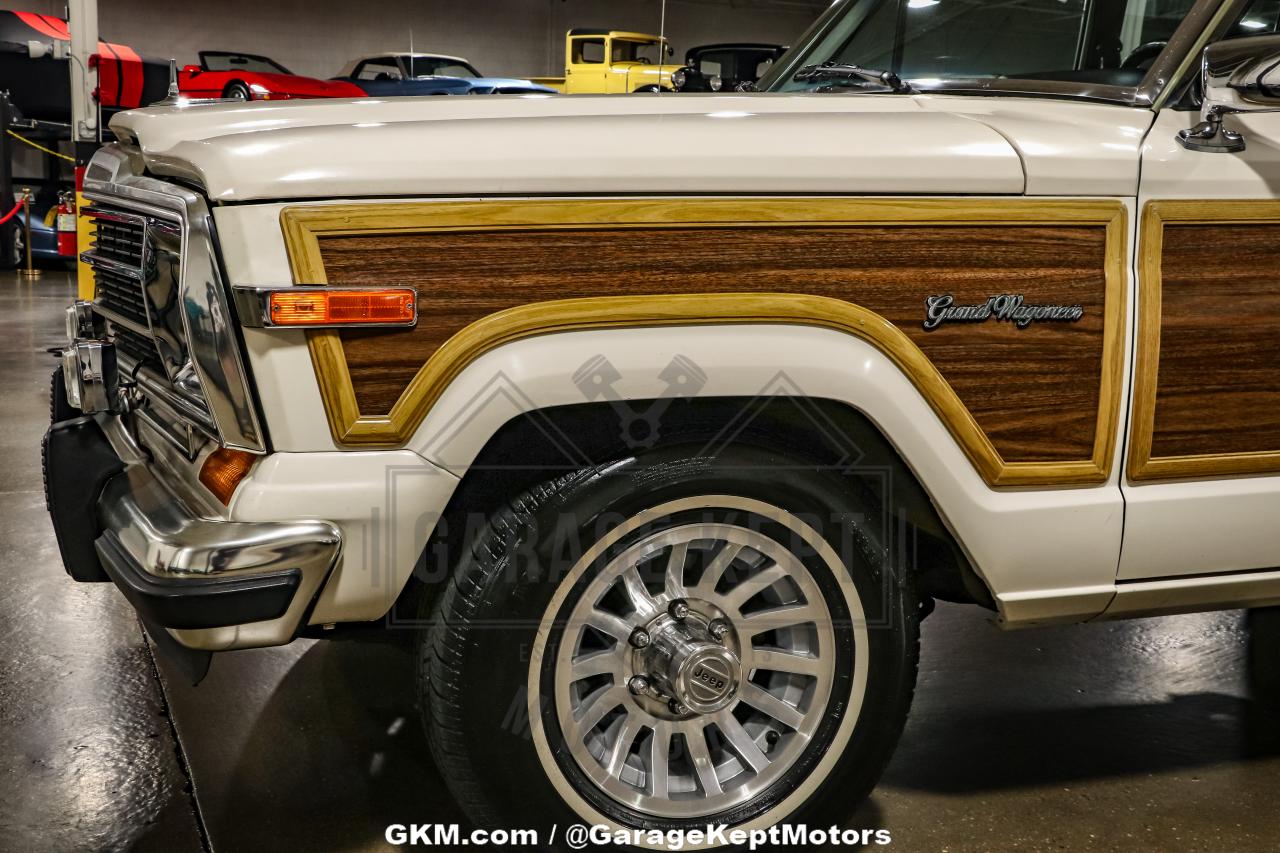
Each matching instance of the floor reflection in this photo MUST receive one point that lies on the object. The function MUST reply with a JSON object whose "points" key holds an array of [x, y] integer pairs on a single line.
{"points": [[1114, 736]]}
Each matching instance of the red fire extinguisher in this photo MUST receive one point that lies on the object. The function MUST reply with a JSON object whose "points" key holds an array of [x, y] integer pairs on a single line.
{"points": [[67, 225]]}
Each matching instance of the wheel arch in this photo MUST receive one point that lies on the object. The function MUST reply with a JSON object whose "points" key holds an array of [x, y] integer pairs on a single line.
{"points": [[541, 444]]}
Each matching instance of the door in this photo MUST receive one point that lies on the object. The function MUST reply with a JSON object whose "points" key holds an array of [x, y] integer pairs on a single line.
{"points": [[587, 71], [1202, 486]]}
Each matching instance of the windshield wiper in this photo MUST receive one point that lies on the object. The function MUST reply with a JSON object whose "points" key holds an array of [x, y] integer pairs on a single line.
{"points": [[834, 74]]}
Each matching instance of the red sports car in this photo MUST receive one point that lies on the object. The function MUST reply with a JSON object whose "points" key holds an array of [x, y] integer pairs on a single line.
{"points": [[245, 77]]}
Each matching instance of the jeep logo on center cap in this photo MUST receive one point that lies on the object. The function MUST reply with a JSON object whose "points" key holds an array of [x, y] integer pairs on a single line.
{"points": [[710, 680]]}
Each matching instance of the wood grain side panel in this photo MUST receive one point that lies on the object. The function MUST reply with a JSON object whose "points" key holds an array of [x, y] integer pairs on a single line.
{"points": [[1218, 387], [1035, 392]]}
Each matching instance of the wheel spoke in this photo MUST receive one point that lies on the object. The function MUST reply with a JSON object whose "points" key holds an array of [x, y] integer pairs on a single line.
{"points": [[752, 586], [659, 751], [762, 700], [596, 663], [606, 699], [740, 742], [674, 586], [696, 742], [641, 600], [778, 617], [780, 661], [627, 731], [715, 569], [608, 624]]}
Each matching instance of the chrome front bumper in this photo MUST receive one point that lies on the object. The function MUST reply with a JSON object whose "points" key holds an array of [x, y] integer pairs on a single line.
{"points": [[208, 583]]}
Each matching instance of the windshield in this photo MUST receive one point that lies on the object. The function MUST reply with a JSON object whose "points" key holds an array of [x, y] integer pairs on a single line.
{"points": [[928, 42], [436, 66], [211, 61], [733, 64]]}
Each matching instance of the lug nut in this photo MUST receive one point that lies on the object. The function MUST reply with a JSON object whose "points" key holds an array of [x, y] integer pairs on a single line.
{"points": [[638, 685], [639, 638], [718, 629], [679, 609], [676, 708]]}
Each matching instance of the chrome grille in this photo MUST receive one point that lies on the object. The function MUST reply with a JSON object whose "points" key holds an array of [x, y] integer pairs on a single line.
{"points": [[136, 259], [184, 360], [119, 238], [121, 294], [137, 348], [118, 255]]}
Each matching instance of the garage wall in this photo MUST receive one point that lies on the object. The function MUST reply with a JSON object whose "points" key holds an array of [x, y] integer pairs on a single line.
{"points": [[501, 37]]}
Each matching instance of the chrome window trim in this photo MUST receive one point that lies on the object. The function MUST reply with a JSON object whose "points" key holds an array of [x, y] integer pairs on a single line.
{"points": [[207, 318]]}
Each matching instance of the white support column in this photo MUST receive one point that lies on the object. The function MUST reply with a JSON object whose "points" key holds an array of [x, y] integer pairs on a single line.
{"points": [[82, 20]]}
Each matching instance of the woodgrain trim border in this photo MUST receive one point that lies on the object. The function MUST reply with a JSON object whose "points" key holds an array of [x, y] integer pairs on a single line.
{"points": [[1142, 466], [304, 225]]}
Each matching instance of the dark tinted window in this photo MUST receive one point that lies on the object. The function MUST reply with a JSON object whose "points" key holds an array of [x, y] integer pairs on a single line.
{"points": [[972, 38], [1101, 41]]}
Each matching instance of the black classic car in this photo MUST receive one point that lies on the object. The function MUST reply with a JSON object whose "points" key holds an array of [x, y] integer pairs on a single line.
{"points": [[725, 67], [33, 69]]}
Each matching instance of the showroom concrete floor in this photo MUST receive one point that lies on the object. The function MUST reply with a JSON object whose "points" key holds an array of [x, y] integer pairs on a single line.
{"points": [[1127, 736]]}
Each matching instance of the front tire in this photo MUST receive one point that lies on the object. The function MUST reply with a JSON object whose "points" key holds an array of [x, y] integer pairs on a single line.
{"points": [[778, 667], [237, 91], [17, 246]]}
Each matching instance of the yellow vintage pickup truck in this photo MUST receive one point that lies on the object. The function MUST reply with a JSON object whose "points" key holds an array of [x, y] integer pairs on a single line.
{"points": [[610, 61]]}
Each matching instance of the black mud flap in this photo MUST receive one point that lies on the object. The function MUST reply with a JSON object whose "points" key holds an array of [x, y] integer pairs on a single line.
{"points": [[78, 461]]}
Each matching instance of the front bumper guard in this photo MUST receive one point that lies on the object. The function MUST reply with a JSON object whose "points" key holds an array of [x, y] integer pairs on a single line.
{"points": [[212, 583]]}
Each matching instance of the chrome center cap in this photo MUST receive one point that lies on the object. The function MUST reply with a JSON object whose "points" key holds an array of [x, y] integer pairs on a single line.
{"points": [[691, 670], [706, 680]]}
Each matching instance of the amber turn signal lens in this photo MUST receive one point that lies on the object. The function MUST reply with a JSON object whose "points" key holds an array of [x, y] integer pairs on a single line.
{"points": [[223, 471], [335, 307]]}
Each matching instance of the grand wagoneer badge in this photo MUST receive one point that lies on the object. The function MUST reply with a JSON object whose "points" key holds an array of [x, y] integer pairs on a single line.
{"points": [[1006, 307]]}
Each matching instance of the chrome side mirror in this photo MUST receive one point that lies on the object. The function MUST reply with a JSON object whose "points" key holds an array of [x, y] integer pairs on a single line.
{"points": [[1236, 76]]}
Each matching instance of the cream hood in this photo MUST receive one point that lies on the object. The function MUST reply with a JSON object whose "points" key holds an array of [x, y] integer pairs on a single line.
{"points": [[619, 144]]}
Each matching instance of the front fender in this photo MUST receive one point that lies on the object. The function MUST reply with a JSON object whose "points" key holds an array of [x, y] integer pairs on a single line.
{"points": [[1046, 554]]}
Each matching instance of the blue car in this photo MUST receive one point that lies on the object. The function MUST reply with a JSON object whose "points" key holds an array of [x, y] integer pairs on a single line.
{"points": [[406, 74], [44, 234]]}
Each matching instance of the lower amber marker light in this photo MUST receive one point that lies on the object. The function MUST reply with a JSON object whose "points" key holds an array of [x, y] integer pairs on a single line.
{"points": [[223, 470], [337, 307]]}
